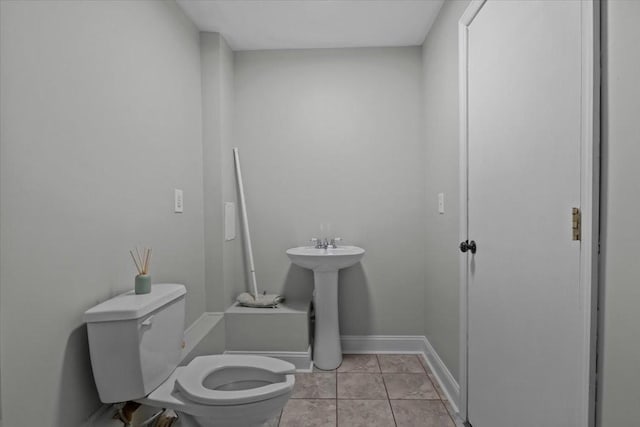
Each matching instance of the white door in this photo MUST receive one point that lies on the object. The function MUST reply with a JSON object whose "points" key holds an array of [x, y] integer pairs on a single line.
{"points": [[526, 316]]}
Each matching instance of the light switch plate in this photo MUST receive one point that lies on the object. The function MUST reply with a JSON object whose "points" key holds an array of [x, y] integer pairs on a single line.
{"points": [[178, 201]]}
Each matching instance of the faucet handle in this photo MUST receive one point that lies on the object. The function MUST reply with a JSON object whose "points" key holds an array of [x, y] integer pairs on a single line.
{"points": [[316, 242], [334, 242]]}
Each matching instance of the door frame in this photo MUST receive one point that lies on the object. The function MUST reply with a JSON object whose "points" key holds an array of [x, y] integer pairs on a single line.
{"points": [[589, 197]]}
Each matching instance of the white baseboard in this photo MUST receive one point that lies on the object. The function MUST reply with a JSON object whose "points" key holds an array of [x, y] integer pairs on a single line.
{"points": [[300, 359], [406, 344], [390, 344], [447, 382]]}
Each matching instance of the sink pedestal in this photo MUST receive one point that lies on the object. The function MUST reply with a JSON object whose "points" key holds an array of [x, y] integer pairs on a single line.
{"points": [[325, 263], [327, 351]]}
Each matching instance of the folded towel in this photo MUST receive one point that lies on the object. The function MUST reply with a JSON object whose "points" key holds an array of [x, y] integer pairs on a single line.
{"points": [[262, 301]]}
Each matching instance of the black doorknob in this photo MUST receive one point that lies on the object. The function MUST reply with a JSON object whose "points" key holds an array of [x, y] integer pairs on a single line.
{"points": [[468, 246]]}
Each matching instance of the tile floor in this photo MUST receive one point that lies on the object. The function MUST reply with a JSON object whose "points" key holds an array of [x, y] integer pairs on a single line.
{"points": [[368, 390]]}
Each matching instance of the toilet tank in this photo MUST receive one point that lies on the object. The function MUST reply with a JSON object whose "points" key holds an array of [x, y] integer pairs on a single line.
{"points": [[135, 341]]}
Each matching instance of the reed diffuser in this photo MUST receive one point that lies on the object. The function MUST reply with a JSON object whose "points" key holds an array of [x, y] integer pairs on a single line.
{"points": [[142, 262]]}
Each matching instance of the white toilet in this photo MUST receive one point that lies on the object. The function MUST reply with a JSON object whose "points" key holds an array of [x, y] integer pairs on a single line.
{"points": [[136, 344]]}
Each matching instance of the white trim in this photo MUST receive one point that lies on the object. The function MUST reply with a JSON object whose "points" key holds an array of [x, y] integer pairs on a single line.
{"points": [[589, 196], [447, 382], [390, 344], [463, 39], [590, 199], [406, 344], [301, 359]]}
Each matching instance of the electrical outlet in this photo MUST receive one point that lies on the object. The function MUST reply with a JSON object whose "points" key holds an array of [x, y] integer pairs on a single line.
{"points": [[178, 201]]}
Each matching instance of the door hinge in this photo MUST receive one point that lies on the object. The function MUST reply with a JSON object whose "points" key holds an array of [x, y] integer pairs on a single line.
{"points": [[576, 225]]}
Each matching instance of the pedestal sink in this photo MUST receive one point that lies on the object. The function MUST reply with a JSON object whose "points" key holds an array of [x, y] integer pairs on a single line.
{"points": [[325, 263]]}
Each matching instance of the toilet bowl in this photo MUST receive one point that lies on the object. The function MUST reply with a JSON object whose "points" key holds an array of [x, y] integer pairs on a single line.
{"points": [[226, 390], [135, 343]]}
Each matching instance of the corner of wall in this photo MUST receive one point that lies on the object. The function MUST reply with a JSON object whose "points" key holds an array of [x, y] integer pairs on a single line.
{"points": [[440, 97], [234, 277], [210, 60], [221, 270]]}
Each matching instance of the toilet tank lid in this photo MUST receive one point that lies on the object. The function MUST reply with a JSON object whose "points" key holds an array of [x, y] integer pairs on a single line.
{"points": [[129, 306]]}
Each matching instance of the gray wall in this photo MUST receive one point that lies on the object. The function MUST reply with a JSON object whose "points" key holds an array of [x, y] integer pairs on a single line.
{"points": [[620, 204], [100, 121], [334, 136], [232, 251], [440, 74], [217, 114]]}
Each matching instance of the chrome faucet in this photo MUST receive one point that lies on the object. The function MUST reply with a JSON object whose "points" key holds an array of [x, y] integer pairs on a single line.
{"points": [[325, 243], [319, 243]]}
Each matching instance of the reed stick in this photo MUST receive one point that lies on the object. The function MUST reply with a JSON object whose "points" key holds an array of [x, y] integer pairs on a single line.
{"points": [[146, 260], [136, 263], [149, 260], [140, 260]]}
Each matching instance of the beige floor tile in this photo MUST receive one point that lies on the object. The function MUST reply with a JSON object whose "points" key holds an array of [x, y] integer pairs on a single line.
{"points": [[421, 413], [309, 413], [361, 386], [315, 386], [409, 386], [365, 413], [359, 363], [400, 363]]}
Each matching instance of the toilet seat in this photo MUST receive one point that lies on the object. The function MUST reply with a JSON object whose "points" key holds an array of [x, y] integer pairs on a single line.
{"points": [[222, 368]]}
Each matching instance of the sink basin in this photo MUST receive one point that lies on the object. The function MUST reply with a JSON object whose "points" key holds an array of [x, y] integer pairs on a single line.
{"points": [[325, 263], [329, 259]]}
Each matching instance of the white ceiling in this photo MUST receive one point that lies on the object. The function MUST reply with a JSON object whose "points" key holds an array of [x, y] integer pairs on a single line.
{"points": [[300, 24]]}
